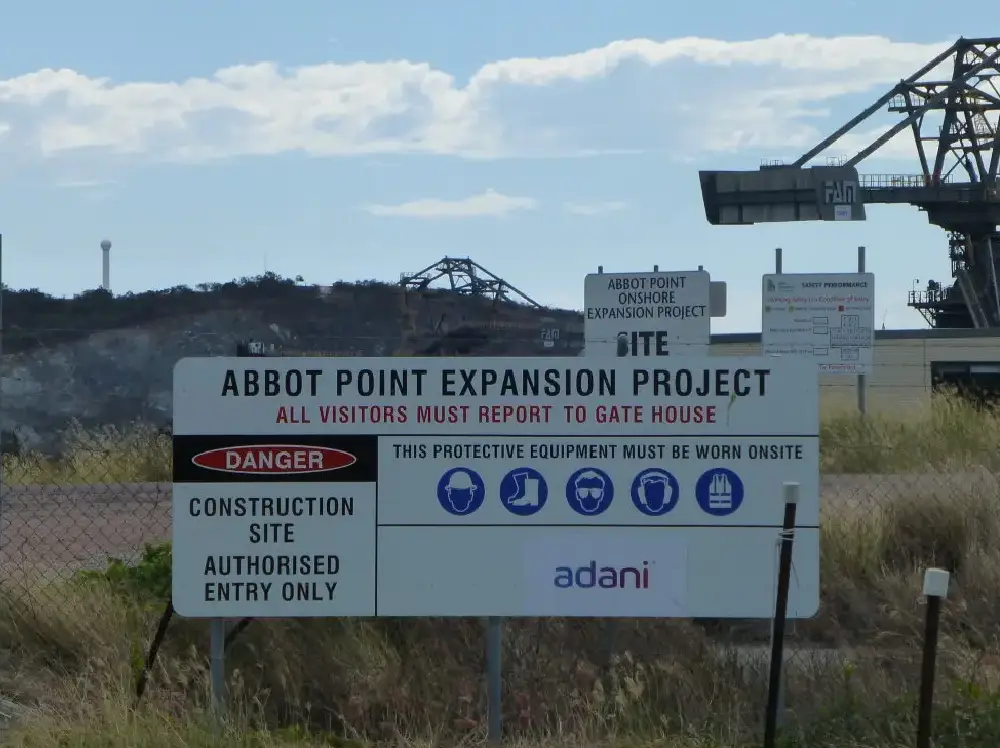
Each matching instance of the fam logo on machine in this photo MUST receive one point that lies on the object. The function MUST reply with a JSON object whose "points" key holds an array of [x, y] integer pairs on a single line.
{"points": [[274, 459], [591, 575]]}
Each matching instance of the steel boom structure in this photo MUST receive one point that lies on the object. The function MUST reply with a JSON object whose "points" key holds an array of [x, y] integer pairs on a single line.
{"points": [[955, 124]]}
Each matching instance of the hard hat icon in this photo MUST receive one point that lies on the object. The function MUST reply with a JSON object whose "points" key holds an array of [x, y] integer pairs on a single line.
{"points": [[460, 480], [459, 492]]}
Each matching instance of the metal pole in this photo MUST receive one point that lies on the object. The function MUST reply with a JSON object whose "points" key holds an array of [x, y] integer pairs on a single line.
{"points": [[217, 662], [494, 679], [781, 683], [862, 379], [610, 638], [790, 493], [935, 589]]}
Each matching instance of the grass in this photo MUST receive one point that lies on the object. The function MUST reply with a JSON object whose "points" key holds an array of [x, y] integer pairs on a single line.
{"points": [[70, 651]]}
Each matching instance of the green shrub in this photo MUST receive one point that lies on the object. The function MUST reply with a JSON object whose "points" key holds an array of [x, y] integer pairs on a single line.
{"points": [[148, 580]]}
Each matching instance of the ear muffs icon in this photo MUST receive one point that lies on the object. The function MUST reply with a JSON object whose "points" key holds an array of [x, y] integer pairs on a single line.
{"points": [[653, 490]]}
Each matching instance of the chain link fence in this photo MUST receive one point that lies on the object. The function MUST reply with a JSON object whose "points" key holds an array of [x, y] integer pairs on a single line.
{"points": [[896, 496]]}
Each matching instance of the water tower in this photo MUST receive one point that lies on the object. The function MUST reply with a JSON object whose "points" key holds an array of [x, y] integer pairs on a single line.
{"points": [[106, 274]]}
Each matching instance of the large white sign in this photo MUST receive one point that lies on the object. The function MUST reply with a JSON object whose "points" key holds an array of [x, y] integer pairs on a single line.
{"points": [[657, 314], [491, 486], [827, 318]]}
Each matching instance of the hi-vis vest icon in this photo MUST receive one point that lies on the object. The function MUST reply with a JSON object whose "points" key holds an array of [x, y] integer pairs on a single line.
{"points": [[720, 494]]}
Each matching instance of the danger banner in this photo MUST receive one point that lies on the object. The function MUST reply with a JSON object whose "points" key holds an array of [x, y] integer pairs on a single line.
{"points": [[277, 458]]}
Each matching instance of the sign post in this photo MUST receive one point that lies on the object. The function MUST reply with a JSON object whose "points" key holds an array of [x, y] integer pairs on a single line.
{"points": [[657, 313], [862, 376]]}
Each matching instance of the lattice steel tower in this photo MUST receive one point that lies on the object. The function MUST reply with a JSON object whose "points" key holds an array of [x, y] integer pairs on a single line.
{"points": [[955, 124], [951, 106]]}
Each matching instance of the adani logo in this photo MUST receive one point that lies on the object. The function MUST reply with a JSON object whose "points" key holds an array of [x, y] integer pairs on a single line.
{"points": [[604, 577]]}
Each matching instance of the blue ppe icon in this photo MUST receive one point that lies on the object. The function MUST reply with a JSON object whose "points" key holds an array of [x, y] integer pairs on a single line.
{"points": [[589, 491], [719, 492], [524, 491], [461, 491], [655, 492]]}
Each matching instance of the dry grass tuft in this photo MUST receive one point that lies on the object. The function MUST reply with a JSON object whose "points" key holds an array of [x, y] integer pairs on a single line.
{"points": [[110, 455], [951, 436], [71, 651]]}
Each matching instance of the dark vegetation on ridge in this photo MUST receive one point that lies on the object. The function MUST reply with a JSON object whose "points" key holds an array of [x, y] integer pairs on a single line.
{"points": [[32, 318]]}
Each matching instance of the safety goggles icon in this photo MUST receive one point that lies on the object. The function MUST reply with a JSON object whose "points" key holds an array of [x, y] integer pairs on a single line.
{"points": [[589, 492]]}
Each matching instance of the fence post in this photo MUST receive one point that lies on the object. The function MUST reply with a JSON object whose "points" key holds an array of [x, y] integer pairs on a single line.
{"points": [[780, 715], [935, 589], [790, 495]]}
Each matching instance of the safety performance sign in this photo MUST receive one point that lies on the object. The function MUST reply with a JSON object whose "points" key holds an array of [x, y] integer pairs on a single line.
{"points": [[655, 314], [315, 487], [828, 319]]}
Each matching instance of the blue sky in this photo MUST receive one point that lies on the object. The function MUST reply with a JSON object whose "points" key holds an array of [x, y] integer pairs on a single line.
{"points": [[356, 140]]}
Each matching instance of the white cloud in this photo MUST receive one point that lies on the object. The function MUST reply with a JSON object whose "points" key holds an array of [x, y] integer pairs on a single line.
{"points": [[685, 95], [489, 203], [594, 209]]}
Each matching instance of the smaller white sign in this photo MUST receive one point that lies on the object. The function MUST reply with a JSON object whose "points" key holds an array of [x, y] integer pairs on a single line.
{"points": [[647, 314], [827, 317]]}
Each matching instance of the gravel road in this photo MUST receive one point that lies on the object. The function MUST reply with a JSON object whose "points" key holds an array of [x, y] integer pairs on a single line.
{"points": [[56, 529]]}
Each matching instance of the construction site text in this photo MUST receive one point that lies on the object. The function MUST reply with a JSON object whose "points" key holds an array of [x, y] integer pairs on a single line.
{"points": [[493, 383], [307, 574]]}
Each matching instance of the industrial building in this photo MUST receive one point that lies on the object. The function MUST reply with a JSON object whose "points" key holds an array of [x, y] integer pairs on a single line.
{"points": [[908, 365]]}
